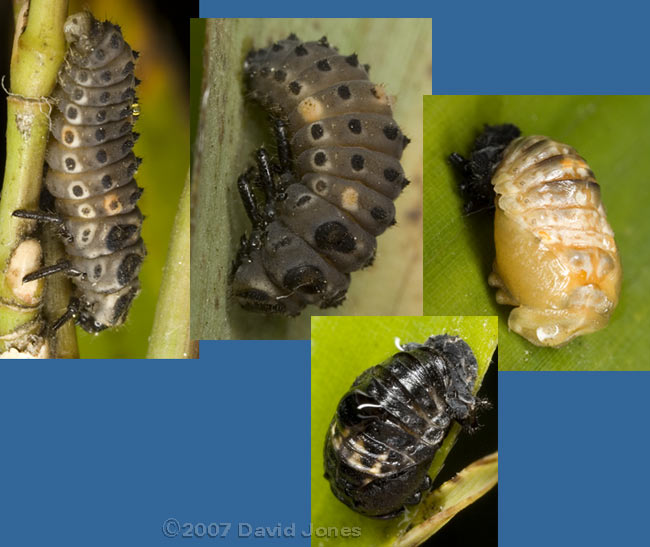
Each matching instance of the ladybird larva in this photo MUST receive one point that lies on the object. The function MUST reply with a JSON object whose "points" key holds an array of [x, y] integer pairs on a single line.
{"points": [[331, 191], [556, 257], [389, 425], [90, 169]]}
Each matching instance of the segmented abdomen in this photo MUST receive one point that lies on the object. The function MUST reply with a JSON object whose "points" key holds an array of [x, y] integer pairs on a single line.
{"points": [[346, 148], [391, 422], [556, 254], [91, 168]]}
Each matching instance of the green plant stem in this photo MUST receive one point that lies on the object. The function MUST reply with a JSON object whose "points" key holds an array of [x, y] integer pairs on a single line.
{"points": [[37, 55], [57, 297], [170, 336]]}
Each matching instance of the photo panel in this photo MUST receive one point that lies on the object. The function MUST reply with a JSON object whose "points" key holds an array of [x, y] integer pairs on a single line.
{"points": [[569, 224], [334, 109], [390, 397]]}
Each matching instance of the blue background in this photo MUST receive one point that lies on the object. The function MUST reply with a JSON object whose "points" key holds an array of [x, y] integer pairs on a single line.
{"points": [[505, 47], [96, 453], [573, 451]]}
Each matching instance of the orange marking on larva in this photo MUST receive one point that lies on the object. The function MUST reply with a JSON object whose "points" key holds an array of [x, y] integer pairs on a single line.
{"points": [[112, 204], [311, 110]]}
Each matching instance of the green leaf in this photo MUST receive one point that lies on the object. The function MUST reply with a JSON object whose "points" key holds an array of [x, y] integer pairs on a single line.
{"points": [[611, 133], [342, 348], [451, 498], [230, 129]]}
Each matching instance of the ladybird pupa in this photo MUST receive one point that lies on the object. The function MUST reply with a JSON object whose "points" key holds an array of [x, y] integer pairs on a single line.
{"points": [[556, 257], [317, 210], [389, 425]]}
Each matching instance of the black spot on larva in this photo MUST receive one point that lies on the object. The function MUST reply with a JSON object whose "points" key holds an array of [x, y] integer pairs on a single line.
{"points": [[100, 134], [405, 141], [264, 73], [101, 115], [334, 236], [391, 132], [321, 185], [115, 41], [127, 94], [103, 98], [352, 60], [128, 269], [106, 76], [276, 47], [78, 94], [86, 233], [77, 190], [320, 158], [317, 131], [131, 169], [379, 214], [72, 112], [118, 235], [68, 137], [128, 67], [302, 200], [107, 182], [125, 127], [135, 196], [122, 305], [98, 271], [127, 145], [323, 65], [100, 54], [391, 174], [295, 88], [83, 76], [101, 156], [354, 125], [85, 211], [405, 183], [301, 50], [323, 42], [357, 162], [306, 279], [70, 164], [344, 92], [280, 76]]}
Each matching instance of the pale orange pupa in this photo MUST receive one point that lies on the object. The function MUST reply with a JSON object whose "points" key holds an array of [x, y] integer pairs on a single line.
{"points": [[556, 258]]}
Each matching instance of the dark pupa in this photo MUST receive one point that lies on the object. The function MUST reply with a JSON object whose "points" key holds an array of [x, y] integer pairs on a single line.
{"points": [[390, 424]]}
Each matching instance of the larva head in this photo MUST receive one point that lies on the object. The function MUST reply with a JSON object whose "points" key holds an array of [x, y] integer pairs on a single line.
{"points": [[81, 28]]}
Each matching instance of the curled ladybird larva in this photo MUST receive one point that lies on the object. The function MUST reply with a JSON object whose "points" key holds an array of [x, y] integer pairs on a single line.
{"points": [[316, 213], [389, 425], [556, 258]]}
